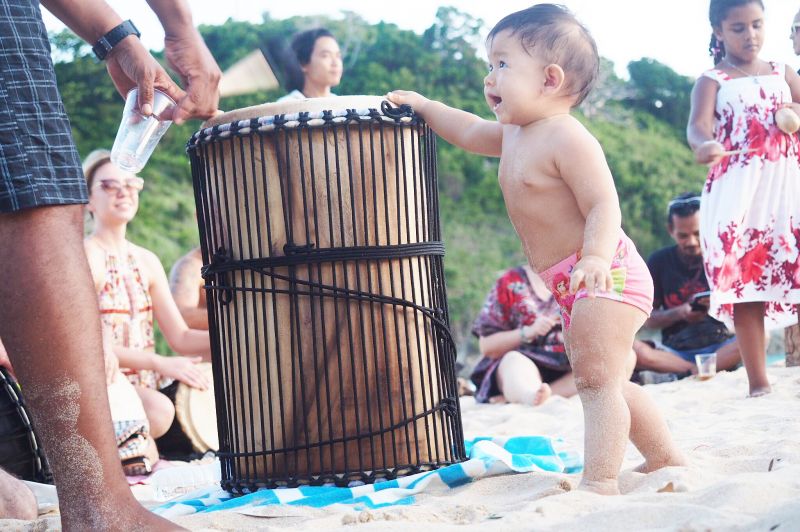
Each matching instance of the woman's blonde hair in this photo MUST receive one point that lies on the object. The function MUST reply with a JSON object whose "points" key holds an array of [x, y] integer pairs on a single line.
{"points": [[93, 161]]}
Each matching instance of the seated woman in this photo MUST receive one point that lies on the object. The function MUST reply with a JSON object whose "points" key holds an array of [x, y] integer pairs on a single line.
{"points": [[132, 289], [519, 330], [315, 65]]}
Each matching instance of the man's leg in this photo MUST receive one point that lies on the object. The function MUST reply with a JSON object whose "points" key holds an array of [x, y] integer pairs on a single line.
{"points": [[51, 328], [650, 358], [728, 356]]}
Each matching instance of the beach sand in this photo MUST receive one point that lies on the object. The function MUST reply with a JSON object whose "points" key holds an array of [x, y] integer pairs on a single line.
{"points": [[744, 473]]}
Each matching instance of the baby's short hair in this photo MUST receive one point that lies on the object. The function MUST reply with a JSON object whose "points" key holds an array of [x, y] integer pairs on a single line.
{"points": [[553, 32]]}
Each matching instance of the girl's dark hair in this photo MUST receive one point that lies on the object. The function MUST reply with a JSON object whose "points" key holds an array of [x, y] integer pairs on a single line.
{"points": [[292, 58], [554, 33], [303, 43], [717, 12]]}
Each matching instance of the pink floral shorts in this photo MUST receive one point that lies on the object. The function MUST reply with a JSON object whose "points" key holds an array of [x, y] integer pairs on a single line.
{"points": [[632, 281]]}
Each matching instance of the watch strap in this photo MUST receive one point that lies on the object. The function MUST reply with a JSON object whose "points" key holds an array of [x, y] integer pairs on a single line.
{"points": [[107, 42]]}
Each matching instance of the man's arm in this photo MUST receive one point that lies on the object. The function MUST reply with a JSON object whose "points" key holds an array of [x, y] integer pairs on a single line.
{"points": [[131, 65], [185, 284], [187, 54]]}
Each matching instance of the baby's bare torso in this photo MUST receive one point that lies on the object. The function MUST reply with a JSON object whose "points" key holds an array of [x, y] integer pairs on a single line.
{"points": [[541, 206]]}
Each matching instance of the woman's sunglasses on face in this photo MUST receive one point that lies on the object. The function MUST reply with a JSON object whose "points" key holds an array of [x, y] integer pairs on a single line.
{"points": [[115, 186]]}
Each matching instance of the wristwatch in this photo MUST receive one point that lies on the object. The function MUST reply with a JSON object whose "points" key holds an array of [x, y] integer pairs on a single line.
{"points": [[108, 41]]}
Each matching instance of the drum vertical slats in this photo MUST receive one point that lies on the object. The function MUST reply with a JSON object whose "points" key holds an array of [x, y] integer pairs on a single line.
{"points": [[323, 269]]}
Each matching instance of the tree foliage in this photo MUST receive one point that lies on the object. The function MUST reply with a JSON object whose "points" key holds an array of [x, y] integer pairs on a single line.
{"points": [[643, 141]]}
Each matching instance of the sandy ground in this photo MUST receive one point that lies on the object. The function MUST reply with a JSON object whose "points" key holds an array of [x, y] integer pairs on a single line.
{"points": [[744, 473]]}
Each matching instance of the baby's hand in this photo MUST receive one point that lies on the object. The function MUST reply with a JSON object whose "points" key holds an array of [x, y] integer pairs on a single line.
{"points": [[710, 152], [592, 273], [415, 100]]}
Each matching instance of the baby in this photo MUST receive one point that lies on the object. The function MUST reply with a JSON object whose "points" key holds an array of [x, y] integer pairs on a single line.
{"points": [[561, 199]]}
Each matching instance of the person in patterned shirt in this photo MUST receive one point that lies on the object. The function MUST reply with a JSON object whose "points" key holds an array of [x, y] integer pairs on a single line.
{"points": [[520, 338]]}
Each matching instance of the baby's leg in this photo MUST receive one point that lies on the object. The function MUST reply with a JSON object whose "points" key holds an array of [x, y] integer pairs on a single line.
{"points": [[520, 381], [599, 343]]}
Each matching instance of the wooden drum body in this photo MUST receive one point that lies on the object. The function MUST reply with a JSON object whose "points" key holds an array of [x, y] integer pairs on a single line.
{"points": [[323, 261]]}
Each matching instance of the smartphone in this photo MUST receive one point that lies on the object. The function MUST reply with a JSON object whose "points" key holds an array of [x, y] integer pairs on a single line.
{"points": [[700, 301]]}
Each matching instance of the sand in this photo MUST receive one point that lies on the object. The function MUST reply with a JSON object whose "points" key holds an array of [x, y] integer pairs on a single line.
{"points": [[744, 473]]}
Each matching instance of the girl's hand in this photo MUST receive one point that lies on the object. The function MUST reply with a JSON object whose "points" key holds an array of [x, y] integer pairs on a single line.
{"points": [[415, 100], [183, 369], [592, 273], [710, 152]]}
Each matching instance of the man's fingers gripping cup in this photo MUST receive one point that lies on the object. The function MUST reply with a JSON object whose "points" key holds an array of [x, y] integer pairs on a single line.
{"points": [[138, 133]]}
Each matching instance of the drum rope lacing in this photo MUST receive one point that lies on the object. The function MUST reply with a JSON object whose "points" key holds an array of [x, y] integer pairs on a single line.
{"points": [[403, 114]]}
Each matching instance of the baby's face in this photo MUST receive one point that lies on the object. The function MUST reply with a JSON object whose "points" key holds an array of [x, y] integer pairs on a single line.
{"points": [[515, 81]]}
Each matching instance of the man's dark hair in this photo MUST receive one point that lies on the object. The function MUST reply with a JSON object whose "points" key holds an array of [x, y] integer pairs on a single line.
{"points": [[554, 33], [683, 205]]}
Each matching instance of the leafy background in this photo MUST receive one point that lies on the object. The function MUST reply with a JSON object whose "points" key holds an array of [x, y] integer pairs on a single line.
{"points": [[640, 123]]}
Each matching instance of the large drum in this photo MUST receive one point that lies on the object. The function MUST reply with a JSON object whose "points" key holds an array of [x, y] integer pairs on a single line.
{"points": [[194, 430], [21, 453], [320, 235]]}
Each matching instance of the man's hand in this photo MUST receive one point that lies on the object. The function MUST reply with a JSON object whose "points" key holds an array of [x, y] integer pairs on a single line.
{"points": [[130, 65], [191, 59], [686, 313]]}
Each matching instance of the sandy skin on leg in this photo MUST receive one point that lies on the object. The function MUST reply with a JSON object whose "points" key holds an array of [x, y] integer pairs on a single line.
{"points": [[599, 344], [50, 326]]}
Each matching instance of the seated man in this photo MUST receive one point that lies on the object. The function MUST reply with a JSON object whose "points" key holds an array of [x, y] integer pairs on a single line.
{"points": [[188, 289], [680, 310]]}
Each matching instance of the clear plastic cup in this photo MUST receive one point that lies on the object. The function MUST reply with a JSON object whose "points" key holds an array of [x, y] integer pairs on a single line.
{"points": [[706, 366], [138, 134]]}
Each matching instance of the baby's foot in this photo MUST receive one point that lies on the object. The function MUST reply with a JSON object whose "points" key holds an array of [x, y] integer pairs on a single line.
{"points": [[543, 394], [653, 465], [601, 487], [758, 391]]}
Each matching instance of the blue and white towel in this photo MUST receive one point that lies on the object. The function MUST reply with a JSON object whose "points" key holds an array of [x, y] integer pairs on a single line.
{"points": [[487, 457]]}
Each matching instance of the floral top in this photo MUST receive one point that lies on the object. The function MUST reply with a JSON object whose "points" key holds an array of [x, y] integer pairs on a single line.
{"points": [[512, 303], [126, 311]]}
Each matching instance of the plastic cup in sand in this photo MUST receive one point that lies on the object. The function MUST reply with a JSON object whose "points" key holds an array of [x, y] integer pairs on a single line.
{"points": [[706, 366], [138, 134]]}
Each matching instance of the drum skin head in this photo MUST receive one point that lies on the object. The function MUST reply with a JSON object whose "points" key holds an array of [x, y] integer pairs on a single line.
{"points": [[311, 105], [196, 413]]}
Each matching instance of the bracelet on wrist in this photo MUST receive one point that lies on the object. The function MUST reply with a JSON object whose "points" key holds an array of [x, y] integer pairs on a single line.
{"points": [[522, 338]]}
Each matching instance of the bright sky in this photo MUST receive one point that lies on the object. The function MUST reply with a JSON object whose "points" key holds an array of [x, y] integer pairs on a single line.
{"points": [[674, 32]]}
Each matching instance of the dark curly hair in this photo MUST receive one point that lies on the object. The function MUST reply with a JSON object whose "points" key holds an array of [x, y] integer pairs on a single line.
{"points": [[717, 12]]}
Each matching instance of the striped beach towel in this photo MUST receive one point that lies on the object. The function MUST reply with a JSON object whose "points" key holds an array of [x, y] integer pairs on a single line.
{"points": [[487, 457]]}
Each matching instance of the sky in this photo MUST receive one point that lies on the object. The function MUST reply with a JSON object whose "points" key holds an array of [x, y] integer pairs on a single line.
{"points": [[674, 32]]}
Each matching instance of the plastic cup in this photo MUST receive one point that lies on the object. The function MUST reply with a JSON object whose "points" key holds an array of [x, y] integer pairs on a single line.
{"points": [[138, 134], [706, 366]]}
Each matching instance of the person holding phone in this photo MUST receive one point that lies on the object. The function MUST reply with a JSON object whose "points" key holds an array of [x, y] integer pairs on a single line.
{"points": [[680, 305]]}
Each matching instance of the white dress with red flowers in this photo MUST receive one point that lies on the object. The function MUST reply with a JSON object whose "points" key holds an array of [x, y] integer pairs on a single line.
{"points": [[750, 209]]}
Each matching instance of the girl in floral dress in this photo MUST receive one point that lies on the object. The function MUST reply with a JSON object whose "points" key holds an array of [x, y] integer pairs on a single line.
{"points": [[750, 207]]}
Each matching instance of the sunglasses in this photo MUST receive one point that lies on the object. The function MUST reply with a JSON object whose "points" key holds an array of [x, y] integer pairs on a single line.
{"points": [[794, 28], [679, 204], [114, 186]]}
